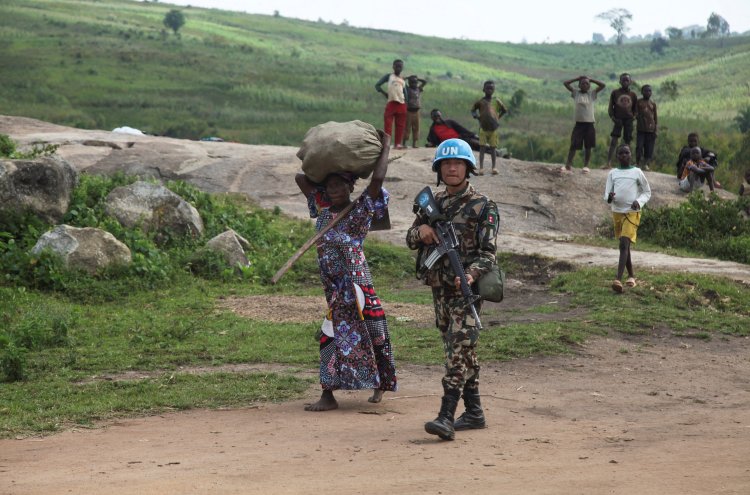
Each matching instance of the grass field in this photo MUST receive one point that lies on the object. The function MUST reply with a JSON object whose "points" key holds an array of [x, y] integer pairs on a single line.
{"points": [[266, 80], [156, 336]]}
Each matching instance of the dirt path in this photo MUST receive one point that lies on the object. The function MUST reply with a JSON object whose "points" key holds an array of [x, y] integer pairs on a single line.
{"points": [[646, 415], [653, 416]]}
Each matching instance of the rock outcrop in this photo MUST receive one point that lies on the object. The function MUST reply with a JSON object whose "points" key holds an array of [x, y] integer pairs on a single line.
{"points": [[86, 249], [154, 208], [42, 186], [231, 246]]}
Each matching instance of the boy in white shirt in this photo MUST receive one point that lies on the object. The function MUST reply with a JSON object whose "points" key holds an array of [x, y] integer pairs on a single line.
{"points": [[627, 190]]}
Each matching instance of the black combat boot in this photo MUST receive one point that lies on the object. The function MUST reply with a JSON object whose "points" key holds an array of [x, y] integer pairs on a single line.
{"points": [[473, 417], [442, 426]]}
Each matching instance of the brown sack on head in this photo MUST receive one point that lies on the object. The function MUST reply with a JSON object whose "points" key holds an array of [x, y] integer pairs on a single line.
{"points": [[339, 147]]}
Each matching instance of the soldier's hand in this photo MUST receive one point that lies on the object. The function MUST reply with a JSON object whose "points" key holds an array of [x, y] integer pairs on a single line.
{"points": [[428, 235], [469, 280]]}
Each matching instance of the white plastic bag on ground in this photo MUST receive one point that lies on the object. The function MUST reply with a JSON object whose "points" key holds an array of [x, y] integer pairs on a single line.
{"points": [[128, 130], [340, 147]]}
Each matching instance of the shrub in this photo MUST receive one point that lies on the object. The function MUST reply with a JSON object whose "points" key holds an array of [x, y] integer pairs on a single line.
{"points": [[153, 265], [12, 360], [711, 225], [7, 145]]}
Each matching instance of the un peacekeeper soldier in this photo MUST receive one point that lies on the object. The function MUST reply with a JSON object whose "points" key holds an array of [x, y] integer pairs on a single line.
{"points": [[475, 219]]}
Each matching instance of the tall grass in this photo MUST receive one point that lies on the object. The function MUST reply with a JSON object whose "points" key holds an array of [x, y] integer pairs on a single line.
{"points": [[262, 79]]}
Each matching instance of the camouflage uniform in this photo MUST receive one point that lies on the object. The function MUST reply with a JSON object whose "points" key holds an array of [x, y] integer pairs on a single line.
{"points": [[475, 219]]}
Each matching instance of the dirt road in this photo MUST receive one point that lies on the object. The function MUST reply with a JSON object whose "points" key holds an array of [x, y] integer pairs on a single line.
{"points": [[658, 416], [652, 414]]}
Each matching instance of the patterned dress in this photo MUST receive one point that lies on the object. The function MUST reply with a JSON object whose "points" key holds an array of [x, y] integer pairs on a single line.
{"points": [[359, 354]]}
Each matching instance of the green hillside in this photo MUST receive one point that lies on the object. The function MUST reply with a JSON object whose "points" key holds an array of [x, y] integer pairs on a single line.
{"points": [[264, 79]]}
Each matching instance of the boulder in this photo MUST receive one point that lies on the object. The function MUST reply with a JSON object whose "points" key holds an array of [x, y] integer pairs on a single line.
{"points": [[87, 249], [154, 208], [232, 246], [42, 186]]}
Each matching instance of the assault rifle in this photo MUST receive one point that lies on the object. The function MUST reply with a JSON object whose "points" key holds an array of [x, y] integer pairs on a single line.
{"points": [[446, 234]]}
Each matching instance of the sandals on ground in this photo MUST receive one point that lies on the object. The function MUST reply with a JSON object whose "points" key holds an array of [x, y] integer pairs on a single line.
{"points": [[630, 282], [617, 286]]}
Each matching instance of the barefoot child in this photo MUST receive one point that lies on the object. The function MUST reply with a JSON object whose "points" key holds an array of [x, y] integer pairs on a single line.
{"points": [[488, 110], [414, 88], [627, 190], [583, 135], [355, 348], [695, 172], [622, 110]]}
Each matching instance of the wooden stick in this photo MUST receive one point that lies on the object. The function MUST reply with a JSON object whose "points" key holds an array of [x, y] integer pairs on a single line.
{"points": [[310, 242]]}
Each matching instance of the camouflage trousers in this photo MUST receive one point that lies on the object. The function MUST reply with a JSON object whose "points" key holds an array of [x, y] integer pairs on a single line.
{"points": [[460, 336]]}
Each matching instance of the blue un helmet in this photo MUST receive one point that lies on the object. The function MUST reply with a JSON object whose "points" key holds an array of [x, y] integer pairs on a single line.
{"points": [[454, 148]]}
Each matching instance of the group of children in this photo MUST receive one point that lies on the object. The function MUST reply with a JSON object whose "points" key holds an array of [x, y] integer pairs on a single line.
{"points": [[627, 188], [624, 109], [403, 106]]}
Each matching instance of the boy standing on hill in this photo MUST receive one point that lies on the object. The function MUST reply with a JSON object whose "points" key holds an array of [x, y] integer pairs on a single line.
{"points": [[646, 128], [627, 190], [395, 108], [584, 134], [488, 110], [414, 89], [622, 111]]}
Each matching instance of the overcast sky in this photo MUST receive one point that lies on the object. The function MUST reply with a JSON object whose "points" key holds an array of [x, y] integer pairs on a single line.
{"points": [[533, 21]]}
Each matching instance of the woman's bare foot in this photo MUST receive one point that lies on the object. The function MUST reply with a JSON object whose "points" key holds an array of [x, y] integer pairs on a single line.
{"points": [[326, 403], [377, 396]]}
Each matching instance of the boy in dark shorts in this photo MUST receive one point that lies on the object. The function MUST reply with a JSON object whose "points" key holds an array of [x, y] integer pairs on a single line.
{"points": [[584, 134], [414, 88], [646, 128], [622, 111], [488, 110]]}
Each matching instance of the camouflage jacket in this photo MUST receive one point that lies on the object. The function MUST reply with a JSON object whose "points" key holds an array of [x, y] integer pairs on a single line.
{"points": [[475, 219]]}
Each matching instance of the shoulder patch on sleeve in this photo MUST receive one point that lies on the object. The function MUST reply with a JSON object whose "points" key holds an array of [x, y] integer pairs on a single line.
{"points": [[492, 218], [492, 214]]}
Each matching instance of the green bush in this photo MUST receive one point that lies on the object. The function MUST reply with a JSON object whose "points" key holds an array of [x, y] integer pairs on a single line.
{"points": [[272, 238], [7, 145], [710, 225], [12, 360]]}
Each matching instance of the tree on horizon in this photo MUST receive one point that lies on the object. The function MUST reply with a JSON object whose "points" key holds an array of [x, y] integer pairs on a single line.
{"points": [[618, 19]]}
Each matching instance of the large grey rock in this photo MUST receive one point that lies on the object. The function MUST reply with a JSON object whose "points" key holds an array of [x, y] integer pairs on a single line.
{"points": [[153, 208], [88, 249], [232, 246], [42, 186]]}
